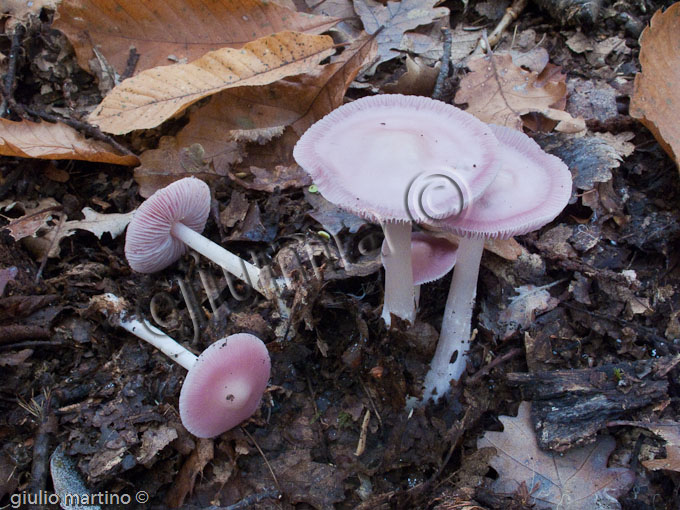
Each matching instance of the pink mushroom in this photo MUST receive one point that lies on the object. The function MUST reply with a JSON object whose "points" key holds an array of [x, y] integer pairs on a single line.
{"points": [[369, 157], [170, 220], [431, 258], [225, 383], [531, 189]]}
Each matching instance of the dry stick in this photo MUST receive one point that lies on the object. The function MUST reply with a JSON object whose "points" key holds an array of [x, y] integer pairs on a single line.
{"points": [[133, 58], [84, 127], [511, 14], [445, 65], [8, 86], [16, 332], [264, 457], [30, 344], [41, 447]]}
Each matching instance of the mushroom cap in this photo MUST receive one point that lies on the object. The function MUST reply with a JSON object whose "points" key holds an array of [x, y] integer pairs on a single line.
{"points": [[149, 245], [395, 158], [530, 190], [206, 406], [431, 257]]}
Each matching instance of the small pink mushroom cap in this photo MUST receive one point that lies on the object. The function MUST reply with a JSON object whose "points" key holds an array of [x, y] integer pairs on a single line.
{"points": [[149, 245], [371, 157], [431, 257], [530, 190], [225, 385]]}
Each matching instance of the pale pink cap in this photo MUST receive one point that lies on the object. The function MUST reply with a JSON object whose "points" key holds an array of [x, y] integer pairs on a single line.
{"points": [[374, 156], [431, 257], [149, 246], [531, 189], [225, 385]]}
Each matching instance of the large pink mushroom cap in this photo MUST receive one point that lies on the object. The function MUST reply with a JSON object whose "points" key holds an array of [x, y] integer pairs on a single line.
{"points": [[431, 257], [368, 156], [225, 385], [149, 244], [530, 190]]}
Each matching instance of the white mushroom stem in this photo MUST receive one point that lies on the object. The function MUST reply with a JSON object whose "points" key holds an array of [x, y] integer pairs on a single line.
{"points": [[161, 341], [456, 325], [244, 271], [113, 307], [399, 291]]}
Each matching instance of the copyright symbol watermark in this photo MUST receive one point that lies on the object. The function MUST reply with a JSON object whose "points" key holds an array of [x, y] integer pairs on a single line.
{"points": [[436, 195], [142, 497]]}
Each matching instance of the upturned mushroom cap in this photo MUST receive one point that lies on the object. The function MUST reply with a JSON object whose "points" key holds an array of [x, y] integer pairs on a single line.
{"points": [[225, 385], [530, 190], [149, 246], [431, 257], [369, 156]]}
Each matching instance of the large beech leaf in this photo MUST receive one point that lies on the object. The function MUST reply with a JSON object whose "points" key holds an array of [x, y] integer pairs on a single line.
{"points": [[256, 114], [146, 100], [44, 140], [656, 99], [161, 30], [576, 480]]}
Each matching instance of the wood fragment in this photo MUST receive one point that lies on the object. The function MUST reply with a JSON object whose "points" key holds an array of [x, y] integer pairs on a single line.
{"points": [[445, 65], [570, 406]]}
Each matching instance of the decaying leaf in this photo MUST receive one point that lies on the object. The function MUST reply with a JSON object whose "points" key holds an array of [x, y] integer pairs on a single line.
{"points": [[44, 140], [656, 100], [499, 92], [157, 94], [669, 432], [523, 308], [186, 478], [165, 32], [576, 480], [33, 218], [154, 440], [22, 9], [394, 19], [237, 116], [418, 80], [97, 223]]}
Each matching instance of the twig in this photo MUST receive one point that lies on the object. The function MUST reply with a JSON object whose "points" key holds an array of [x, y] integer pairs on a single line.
{"points": [[511, 14], [264, 457], [445, 65], [8, 86], [15, 332], [41, 446], [516, 351], [54, 240], [84, 127], [133, 58], [30, 344]]}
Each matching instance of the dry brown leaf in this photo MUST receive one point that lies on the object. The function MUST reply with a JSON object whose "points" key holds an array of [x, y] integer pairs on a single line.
{"points": [[499, 92], [184, 482], [418, 80], [394, 19], [33, 217], [656, 99], [576, 480], [669, 432], [523, 308], [151, 97], [44, 140], [168, 31], [22, 9], [236, 116]]}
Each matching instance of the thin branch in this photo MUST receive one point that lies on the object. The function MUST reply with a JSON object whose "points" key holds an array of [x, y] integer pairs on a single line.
{"points": [[445, 65]]}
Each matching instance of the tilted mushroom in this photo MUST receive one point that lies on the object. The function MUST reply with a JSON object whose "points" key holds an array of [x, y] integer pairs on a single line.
{"points": [[170, 220], [225, 383], [369, 156], [531, 189]]}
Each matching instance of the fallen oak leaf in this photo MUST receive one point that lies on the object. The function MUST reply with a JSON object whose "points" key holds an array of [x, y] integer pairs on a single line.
{"points": [[45, 140], [33, 218], [499, 92], [155, 95], [669, 432], [576, 480], [656, 98], [182, 29], [390, 21]]}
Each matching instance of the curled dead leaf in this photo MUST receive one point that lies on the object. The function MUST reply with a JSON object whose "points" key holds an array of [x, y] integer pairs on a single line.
{"points": [[656, 99], [155, 95], [44, 140]]}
